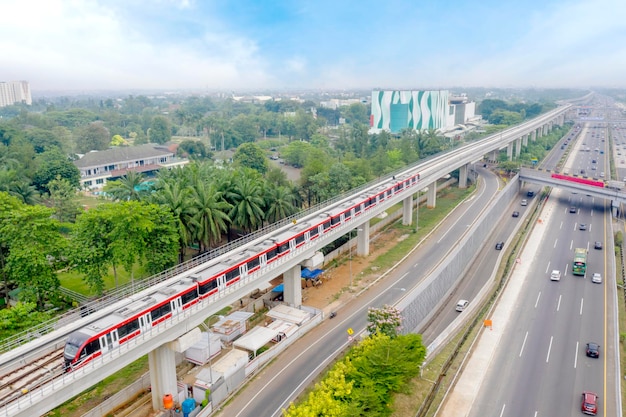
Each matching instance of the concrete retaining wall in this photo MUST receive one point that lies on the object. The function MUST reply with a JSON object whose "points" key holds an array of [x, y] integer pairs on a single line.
{"points": [[423, 301]]}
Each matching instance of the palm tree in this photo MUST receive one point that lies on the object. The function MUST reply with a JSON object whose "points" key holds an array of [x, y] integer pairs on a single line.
{"points": [[279, 203], [126, 188], [245, 197], [209, 214], [175, 197]]}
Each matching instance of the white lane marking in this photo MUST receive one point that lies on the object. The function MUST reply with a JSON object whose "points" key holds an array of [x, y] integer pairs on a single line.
{"points": [[590, 226], [561, 226], [559, 303], [571, 245], [576, 355], [555, 242], [549, 349], [502, 412], [535, 414], [538, 296], [548, 267], [566, 266], [581, 306], [523, 344], [575, 225]]}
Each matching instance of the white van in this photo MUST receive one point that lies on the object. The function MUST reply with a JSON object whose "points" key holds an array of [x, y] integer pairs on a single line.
{"points": [[555, 275]]}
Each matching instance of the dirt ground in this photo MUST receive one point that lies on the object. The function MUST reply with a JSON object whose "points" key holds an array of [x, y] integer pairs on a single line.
{"points": [[335, 289]]}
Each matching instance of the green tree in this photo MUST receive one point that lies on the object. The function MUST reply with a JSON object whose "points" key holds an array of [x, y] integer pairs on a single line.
{"points": [[279, 203], [386, 320], [176, 197], [210, 218], [20, 318], [160, 131], [127, 188], [93, 137], [34, 248], [245, 197], [193, 149], [250, 155], [245, 129], [92, 243], [63, 200], [356, 113], [43, 139], [296, 153], [52, 165]]}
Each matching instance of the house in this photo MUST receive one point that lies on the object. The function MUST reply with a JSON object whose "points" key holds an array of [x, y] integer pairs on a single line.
{"points": [[98, 167]]}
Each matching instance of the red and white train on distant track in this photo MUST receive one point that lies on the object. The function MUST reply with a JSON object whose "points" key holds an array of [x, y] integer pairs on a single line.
{"points": [[140, 315]]}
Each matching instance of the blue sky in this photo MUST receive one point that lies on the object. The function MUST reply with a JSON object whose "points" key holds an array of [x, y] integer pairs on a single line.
{"points": [[244, 45]]}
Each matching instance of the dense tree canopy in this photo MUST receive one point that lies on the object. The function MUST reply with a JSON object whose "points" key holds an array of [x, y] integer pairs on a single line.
{"points": [[250, 155]]}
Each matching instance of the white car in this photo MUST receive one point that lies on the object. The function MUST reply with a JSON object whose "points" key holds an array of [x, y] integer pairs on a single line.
{"points": [[555, 275], [461, 305], [596, 278]]}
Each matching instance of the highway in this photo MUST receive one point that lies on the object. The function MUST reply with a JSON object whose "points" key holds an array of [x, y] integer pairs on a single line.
{"points": [[280, 383], [540, 367]]}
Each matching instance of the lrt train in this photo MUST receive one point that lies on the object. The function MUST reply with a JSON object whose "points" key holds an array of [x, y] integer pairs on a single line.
{"points": [[150, 308]]}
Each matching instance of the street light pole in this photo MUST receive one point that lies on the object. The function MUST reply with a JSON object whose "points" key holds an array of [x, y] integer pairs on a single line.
{"points": [[350, 256]]}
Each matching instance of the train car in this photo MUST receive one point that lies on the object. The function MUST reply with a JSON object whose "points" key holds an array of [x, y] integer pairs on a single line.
{"points": [[129, 322], [585, 181], [141, 314]]}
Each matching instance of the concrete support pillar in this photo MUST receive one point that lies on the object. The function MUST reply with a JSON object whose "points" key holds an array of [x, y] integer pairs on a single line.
{"points": [[407, 211], [533, 135], [614, 211], [363, 239], [463, 176], [431, 200], [162, 362], [292, 288], [545, 129], [509, 151], [518, 147], [540, 132], [494, 155], [525, 140]]}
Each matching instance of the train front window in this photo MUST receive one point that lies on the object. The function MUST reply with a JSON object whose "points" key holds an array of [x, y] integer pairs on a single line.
{"points": [[70, 350]]}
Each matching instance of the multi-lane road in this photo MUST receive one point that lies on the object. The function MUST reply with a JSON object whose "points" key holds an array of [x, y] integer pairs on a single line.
{"points": [[540, 367], [284, 379]]}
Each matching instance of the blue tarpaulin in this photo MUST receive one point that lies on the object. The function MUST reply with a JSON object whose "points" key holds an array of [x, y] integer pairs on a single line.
{"points": [[278, 288], [310, 274]]}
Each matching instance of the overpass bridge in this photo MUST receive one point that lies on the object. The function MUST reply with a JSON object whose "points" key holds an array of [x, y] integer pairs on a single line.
{"points": [[299, 239], [609, 190]]}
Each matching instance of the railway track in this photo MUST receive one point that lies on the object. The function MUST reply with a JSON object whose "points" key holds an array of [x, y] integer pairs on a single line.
{"points": [[20, 381]]}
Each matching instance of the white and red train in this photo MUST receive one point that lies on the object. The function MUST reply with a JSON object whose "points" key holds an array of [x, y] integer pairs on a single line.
{"points": [[158, 305]]}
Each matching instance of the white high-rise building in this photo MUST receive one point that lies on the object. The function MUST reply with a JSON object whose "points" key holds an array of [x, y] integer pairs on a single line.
{"points": [[15, 92]]}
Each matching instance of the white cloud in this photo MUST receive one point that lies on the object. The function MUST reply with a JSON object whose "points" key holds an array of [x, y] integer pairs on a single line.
{"points": [[85, 45]]}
